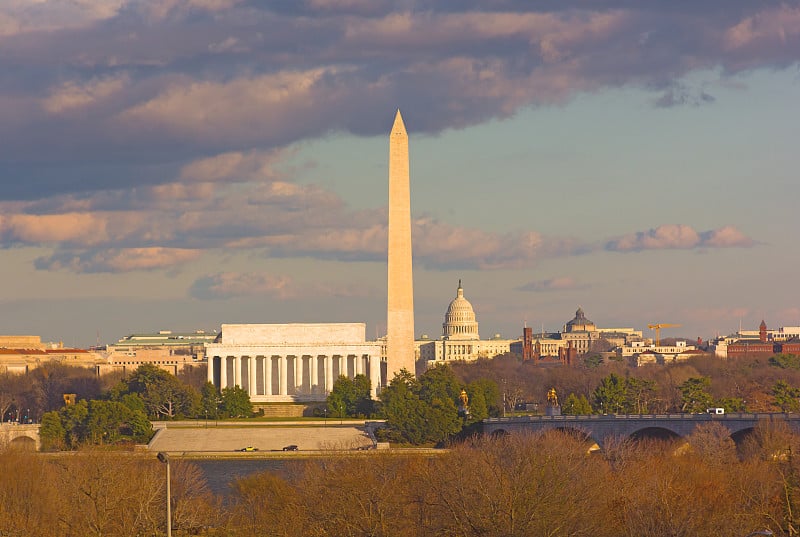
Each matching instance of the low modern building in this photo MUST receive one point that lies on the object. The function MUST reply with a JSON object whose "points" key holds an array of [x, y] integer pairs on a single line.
{"points": [[20, 354], [171, 351], [292, 362], [639, 353]]}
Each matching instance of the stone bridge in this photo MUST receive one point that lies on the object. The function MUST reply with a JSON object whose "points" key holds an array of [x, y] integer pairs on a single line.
{"points": [[601, 428], [20, 436]]}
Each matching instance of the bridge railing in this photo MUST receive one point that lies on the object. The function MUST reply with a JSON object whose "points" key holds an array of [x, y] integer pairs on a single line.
{"points": [[683, 417]]}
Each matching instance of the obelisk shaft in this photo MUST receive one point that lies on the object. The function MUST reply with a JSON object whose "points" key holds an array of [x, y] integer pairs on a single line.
{"points": [[400, 298]]}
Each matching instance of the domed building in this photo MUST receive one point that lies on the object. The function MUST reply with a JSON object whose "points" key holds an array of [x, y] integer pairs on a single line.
{"points": [[460, 339], [459, 321], [580, 323]]}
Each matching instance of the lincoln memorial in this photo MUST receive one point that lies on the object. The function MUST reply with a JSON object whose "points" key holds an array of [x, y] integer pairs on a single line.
{"points": [[291, 362]]}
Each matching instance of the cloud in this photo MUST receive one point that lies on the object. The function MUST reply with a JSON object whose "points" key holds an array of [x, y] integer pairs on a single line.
{"points": [[117, 260], [262, 107], [679, 94], [725, 237], [226, 285], [232, 166], [679, 237], [183, 79], [562, 283], [73, 95], [773, 26], [84, 228], [24, 16], [441, 246]]}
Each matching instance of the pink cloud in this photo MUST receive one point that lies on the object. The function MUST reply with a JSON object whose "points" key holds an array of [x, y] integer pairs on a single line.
{"points": [[77, 95], [236, 109], [119, 260], [83, 228], [562, 283], [230, 285], [779, 24], [679, 236], [726, 237], [236, 166]]}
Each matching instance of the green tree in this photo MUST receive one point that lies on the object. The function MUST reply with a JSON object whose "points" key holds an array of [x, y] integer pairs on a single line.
{"points": [[785, 361], [638, 394], [610, 397], [236, 403], [421, 411], [110, 422], [491, 395], [439, 382], [351, 397], [74, 418], [694, 395], [134, 402], [787, 398], [477, 403], [576, 406], [51, 432], [403, 409], [163, 394], [593, 361], [731, 404], [209, 400]]}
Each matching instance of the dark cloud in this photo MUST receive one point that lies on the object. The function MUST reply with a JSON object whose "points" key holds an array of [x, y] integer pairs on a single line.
{"points": [[95, 88]]}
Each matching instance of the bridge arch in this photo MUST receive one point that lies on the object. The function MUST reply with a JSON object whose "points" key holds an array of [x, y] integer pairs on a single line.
{"points": [[19, 435], [23, 443], [604, 428], [655, 433]]}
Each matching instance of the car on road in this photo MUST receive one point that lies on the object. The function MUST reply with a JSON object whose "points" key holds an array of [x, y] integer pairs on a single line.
{"points": [[290, 447], [248, 448]]}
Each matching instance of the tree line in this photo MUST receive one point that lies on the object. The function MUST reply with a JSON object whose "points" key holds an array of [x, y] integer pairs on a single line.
{"points": [[428, 409], [123, 413], [518, 485]]}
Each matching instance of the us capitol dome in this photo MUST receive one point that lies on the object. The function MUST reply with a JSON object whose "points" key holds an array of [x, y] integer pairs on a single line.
{"points": [[460, 340], [459, 321]]}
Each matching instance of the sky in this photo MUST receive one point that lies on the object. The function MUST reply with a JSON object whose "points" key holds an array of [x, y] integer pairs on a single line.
{"points": [[182, 164]]}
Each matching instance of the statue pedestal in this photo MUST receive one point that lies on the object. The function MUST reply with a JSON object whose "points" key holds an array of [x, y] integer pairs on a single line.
{"points": [[552, 410]]}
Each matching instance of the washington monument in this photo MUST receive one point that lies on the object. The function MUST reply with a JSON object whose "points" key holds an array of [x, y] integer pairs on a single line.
{"points": [[400, 297]]}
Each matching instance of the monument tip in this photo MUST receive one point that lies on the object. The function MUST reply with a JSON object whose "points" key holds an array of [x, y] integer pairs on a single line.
{"points": [[399, 126]]}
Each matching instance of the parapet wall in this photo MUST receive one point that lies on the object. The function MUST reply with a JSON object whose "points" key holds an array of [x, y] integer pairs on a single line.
{"points": [[293, 334], [21, 342]]}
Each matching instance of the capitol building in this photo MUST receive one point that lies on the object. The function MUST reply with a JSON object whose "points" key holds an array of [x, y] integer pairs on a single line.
{"points": [[460, 339]]}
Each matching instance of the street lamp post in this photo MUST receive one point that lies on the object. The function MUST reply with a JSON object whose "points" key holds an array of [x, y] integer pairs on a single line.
{"points": [[163, 457]]}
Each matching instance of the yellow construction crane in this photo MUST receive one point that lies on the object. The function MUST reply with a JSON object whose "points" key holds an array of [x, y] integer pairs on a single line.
{"points": [[658, 327]]}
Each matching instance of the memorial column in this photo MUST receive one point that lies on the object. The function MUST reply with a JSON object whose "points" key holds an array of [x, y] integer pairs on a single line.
{"points": [[223, 372], [251, 380], [282, 374], [374, 374], [268, 375], [328, 373]]}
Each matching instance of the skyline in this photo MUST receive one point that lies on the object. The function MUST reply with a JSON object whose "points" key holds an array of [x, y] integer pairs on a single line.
{"points": [[184, 164]]}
